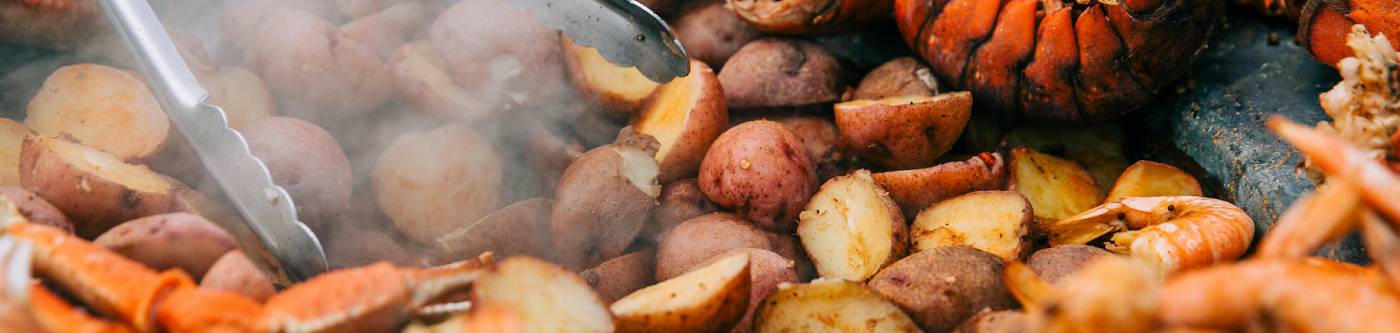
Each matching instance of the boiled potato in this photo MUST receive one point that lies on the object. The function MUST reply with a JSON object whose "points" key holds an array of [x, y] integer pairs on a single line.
{"points": [[942, 287], [306, 161], [348, 246], [421, 80], [679, 201], [704, 237], [601, 203], [618, 277], [917, 189], [1152, 179], [769, 73], [521, 228], [11, 136], [822, 140], [96, 190], [711, 32], [998, 222], [903, 76], [708, 299], [1099, 147], [176, 240], [383, 30], [102, 107], [1055, 263], [495, 51], [761, 170], [767, 270], [1004, 321], [686, 115], [617, 89], [316, 71], [35, 208], [547, 298], [1057, 188], [830, 306], [242, 95], [432, 182], [904, 132], [852, 229], [235, 273]]}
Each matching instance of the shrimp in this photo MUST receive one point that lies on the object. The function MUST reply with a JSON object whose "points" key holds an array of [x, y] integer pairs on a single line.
{"points": [[1174, 233], [1110, 294]]}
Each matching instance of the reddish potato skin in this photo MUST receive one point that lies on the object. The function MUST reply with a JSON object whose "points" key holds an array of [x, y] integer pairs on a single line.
{"points": [[316, 71], [767, 270], [176, 240], [711, 32], [474, 36], [917, 189], [769, 73], [306, 161], [679, 201], [761, 170], [36, 209], [822, 139], [234, 272], [618, 277], [703, 124], [597, 212], [701, 238], [898, 77], [86, 198]]}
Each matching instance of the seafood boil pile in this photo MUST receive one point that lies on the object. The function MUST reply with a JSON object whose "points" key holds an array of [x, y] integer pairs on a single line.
{"points": [[469, 169]]}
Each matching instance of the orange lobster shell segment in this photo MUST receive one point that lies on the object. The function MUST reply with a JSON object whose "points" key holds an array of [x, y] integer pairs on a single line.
{"points": [[993, 75], [1047, 92]]}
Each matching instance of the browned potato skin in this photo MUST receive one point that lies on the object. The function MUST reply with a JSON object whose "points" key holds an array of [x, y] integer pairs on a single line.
{"points": [[1053, 264], [420, 185], [898, 77], [93, 204], [35, 208], [176, 240], [761, 170], [770, 73], [234, 272], [767, 270], [679, 201], [598, 212], [702, 125], [711, 32], [942, 287], [701, 238], [822, 140], [1004, 321], [306, 161], [472, 34], [316, 71], [623, 275], [917, 189], [521, 228], [904, 135]]}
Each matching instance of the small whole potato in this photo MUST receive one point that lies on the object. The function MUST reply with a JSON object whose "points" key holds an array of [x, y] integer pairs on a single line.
{"points": [[176, 240], [761, 170], [704, 237], [942, 287], [234, 272], [601, 203], [35, 208], [306, 161], [494, 50], [822, 140], [434, 181], [1055, 263], [770, 73], [904, 76], [316, 71], [679, 201], [711, 32], [623, 275]]}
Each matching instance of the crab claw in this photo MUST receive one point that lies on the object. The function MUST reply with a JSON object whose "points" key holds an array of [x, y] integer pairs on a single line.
{"points": [[373, 298], [15, 296]]}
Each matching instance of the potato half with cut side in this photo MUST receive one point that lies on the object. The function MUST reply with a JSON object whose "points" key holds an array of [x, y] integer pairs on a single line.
{"points": [[1152, 179], [618, 277], [1057, 188], [618, 89], [11, 136], [522, 228], [904, 132], [916, 189], [998, 222], [101, 107], [708, 299], [548, 298], [685, 115], [93, 188], [851, 228], [602, 201], [1098, 147], [830, 306]]}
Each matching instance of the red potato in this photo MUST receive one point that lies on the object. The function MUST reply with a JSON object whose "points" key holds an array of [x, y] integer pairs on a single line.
{"points": [[706, 236], [917, 189], [822, 139], [421, 80], [429, 183], [94, 189], [349, 246], [384, 30], [904, 132], [810, 17], [685, 115], [618, 90], [494, 51], [306, 161], [241, 94], [11, 136], [547, 298], [601, 203], [35, 208], [1152, 179], [943, 287], [679, 201], [852, 229], [235, 273], [617, 277], [521, 228], [176, 240], [1055, 263], [769, 73], [997, 222], [760, 170], [904, 76], [1057, 188], [317, 71], [710, 298], [711, 33], [767, 271], [101, 107]]}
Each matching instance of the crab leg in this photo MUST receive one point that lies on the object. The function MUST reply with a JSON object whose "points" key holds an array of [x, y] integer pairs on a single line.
{"points": [[1175, 233], [1379, 187], [56, 315], [373, 298]]}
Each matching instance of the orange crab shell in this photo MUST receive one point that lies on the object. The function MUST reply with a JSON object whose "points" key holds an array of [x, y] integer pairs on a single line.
{"points": [[1325, 33]]}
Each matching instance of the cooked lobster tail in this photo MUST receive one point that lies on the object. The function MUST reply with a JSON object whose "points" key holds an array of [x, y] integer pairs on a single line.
{"points": [[1050, 61]]}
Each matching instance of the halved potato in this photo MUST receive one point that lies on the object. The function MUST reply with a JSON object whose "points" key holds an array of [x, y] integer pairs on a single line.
{"points": [[618, 89], [241, 94], [1152, 179], [904, 132], [618, 277], [102, 107], [708, 299], [1099, 147], [548, 298], [916, 189], [93, 188], [851, 228], [521, 228], [998, 222], [685, 115], [1057, 188], [830, 306], [11, 135]]}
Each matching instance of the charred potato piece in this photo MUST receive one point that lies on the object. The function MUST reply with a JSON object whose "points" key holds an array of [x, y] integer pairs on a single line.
{"points": [[707, 236], [35, 208], [942, 287], [422, 181], [1057, 188], [618, 277], [242, 95], [768, 73], [810, 16], [711, 298], [101, 107], [679, 201], [1099, 147], [917, 189], [1152, 179], [11, 136], [852, 229], [685, 115], [601, 203], [317, 71], [904, 76], [711, 32], [761, 170], [1053, 264], [96, 190], [519, 229], [617, 89], [306, 161], [830, 306], [235, 273], [904, 132], [547, 298], [997, 222]]}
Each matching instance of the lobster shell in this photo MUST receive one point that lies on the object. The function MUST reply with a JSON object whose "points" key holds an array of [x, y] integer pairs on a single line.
{"points": [[1046, 61], [1323, 24]]}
